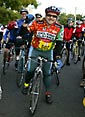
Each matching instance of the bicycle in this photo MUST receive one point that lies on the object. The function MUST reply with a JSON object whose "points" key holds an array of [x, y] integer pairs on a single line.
{"points": [[21, 62], [7, 57], [64, 53], [35, 84], [75, 51]]}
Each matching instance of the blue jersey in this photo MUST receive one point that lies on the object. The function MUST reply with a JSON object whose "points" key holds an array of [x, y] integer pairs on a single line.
{"points": [[20, 23], [10, 34]]}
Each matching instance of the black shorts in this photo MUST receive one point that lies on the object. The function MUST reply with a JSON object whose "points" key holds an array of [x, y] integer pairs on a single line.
{"points": [[18, 43]]}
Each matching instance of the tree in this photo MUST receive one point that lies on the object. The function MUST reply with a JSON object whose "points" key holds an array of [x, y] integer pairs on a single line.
{"points": [[17, 4]]}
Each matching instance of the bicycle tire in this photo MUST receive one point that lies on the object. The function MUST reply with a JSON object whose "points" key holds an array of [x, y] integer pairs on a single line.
{"points": [[20, 73], [82, 50], [56, 77], [4, 64], [64, 55], [35, 93], [83, 66], [75, 55], [19, 79]]}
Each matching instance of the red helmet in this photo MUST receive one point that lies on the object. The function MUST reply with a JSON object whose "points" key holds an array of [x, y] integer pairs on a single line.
{"points": [[11, 25], [52, 9]]}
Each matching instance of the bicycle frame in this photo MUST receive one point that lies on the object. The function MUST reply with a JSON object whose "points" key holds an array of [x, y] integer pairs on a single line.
{"points": [[36, 83]]}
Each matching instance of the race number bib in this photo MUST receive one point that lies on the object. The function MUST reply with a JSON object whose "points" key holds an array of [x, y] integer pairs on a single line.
{"points": [[45, 45]]}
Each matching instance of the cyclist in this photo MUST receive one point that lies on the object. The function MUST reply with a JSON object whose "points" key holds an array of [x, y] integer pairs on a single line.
{"points": [[25, 18], [26, 36], [45, 33], [78, 35], [83, 28], [1, 35], [68, 34], [38, 17], [10, 37]]}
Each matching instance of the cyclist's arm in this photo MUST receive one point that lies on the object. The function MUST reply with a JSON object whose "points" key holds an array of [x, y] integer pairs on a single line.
{"points": [[60, 34]]}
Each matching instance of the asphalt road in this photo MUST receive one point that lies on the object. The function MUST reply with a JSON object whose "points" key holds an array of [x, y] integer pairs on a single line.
{"points": [[67, 97]]}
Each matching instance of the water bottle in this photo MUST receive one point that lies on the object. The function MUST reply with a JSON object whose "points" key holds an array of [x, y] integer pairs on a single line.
{"points": [[0, 93]]}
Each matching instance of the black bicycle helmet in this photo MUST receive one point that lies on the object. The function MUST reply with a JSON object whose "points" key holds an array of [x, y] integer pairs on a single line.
{"points": [[70, 20], [23, 10], [52, 9], [38, 15]]}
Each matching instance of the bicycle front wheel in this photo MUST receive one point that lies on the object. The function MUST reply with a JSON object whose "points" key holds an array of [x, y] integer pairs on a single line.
{"points": [[20, 79], [75, 55], [35, 93], [20, 73], [64, 55]]}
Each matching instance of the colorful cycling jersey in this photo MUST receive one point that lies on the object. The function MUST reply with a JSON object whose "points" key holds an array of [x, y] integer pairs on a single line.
{"points": [[44, 36]]}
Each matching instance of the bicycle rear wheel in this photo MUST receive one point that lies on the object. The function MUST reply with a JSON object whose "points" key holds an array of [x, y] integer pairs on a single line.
{"points": [[35, 93]]}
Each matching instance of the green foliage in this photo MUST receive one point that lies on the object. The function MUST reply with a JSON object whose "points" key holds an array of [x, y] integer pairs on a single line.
{"points": [[7, 15], [17, 4], [63, 17], [7, 8]]}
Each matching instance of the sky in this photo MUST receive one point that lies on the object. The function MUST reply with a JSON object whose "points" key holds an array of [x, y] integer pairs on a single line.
{"points": [[68, 6]]}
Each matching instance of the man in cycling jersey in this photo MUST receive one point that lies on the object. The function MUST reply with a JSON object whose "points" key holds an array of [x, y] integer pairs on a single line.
{"points": [[22, 34], [78, 35], [68, 34], [45, 33], [38, 17]]}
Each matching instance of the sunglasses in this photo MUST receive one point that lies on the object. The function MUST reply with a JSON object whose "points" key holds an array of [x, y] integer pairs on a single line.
{"points": [[49, 15]]}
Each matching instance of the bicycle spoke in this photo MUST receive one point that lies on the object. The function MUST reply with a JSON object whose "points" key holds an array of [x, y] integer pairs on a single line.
{"points": [[34, 95]]}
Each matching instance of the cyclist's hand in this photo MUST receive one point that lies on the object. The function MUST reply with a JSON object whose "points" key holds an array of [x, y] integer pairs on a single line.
{"points": [[24, 25], [18, 37]]}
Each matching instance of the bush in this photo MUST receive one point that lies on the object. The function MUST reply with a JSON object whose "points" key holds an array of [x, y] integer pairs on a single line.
{"points": [[7, 15]]}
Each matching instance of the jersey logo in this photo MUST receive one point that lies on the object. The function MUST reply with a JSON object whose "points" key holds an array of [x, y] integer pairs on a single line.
{"points": [[45, 35]]}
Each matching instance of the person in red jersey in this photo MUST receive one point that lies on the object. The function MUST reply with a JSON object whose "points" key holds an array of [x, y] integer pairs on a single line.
{"points": [[68, 34], [78, 35], [46, 31]]}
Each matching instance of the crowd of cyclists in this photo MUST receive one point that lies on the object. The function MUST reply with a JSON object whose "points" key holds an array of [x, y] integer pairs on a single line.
{"points": [[45, 37]]}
